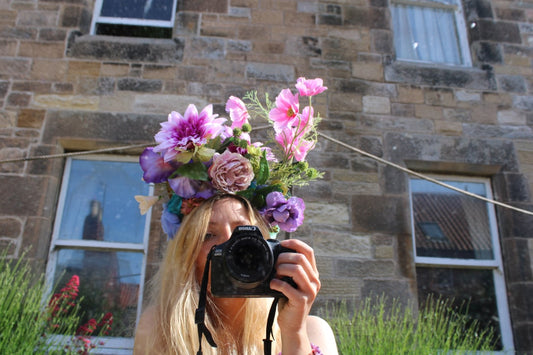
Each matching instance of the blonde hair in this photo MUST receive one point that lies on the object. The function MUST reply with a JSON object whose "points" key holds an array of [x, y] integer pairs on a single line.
{"points": [[176, 293]]}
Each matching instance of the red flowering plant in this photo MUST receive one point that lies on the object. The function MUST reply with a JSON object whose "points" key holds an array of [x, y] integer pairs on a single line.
{"points": [[199, 154], [63, 312]]}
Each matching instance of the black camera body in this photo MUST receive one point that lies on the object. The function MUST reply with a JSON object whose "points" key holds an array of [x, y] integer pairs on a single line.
{"points": [[243, 266]]}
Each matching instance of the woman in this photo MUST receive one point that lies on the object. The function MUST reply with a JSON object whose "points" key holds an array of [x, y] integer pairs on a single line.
{"points": [[237, 324]]}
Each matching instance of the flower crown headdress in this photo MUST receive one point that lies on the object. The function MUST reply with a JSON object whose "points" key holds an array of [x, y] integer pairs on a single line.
{"points": [[199, 155]]}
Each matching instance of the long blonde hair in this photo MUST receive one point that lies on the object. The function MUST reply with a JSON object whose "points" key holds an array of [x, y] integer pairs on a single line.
{"points": [[176, 293]]}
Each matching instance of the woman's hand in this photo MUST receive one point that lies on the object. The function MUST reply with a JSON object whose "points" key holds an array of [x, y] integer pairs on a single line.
{"points": [[294, 311]]}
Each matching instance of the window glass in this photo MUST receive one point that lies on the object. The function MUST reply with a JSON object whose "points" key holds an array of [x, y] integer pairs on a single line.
{"points": [[429, 33], [138, 9], [100, 236], [109, 282], [467, 289], [449, 224], [100, 204]]}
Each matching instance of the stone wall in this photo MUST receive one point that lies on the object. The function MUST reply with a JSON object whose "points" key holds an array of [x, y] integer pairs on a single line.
{"points": [[62, 90]]}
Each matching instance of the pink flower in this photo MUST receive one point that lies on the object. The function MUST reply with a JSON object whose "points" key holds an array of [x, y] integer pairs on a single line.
{"points": [[292, 139], [287, 108], [293, 146], [230, 172], [237, 112], [310, 87], [183, 133]]}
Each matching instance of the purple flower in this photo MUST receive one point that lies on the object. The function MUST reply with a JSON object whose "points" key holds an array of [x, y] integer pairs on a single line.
{"points": [[287, 214], [155, 169], [170, 223], [183, 133], [189, 188]]}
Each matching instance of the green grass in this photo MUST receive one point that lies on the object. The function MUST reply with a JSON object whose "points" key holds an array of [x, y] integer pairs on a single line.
{"points": [[381, 327]]}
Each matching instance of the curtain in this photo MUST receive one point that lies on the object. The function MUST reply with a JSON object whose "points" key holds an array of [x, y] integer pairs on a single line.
{"points": [[426, 34]]}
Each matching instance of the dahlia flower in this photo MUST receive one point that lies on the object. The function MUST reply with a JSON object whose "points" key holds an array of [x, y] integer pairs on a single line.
{"points": [[182, 138]]}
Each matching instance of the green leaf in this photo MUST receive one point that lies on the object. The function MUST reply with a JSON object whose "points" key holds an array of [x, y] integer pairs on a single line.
{"points": [[195, 171], [263, 172]]}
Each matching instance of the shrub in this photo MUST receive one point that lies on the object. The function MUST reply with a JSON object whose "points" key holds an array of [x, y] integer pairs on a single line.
{"points": [[382, 327], [31, 323]]}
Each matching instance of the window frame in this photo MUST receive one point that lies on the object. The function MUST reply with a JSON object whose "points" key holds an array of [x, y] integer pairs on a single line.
{"points": [[119, 345], [460, 29], [495, 265], [97, 19]]}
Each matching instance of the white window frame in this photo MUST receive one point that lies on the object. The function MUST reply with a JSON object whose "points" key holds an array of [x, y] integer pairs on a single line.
{"points": [[97, 18], [460, 28], [495, 264], [112, 345]]}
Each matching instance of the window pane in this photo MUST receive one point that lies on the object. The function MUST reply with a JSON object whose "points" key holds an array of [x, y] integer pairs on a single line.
{"points": [[100, 203], [138, 9], [449, 224], [472, 290], [109, 282], [426, 34]]}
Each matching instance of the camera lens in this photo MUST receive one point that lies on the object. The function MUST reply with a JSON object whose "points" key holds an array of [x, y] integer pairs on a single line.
{"points": [[249, 259]]}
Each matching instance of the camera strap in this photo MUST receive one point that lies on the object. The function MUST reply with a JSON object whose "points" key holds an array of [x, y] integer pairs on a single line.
{"points": [[199, 316], [267, 343]]}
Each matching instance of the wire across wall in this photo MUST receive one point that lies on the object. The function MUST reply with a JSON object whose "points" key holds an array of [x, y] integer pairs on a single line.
{"points": [[336, 141]]}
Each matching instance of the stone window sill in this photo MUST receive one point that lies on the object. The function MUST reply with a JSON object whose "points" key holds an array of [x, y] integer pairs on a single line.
{"points": [[440, 75], [125, 49]]}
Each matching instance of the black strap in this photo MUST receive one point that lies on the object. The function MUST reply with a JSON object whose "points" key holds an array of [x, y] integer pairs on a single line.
{"points": [[199, 315], [267, 343]]}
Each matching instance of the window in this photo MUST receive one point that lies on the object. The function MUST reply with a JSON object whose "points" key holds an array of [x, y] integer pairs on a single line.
{"points": [[100, 236], [134, 18], [457, 252], [430, 31]]}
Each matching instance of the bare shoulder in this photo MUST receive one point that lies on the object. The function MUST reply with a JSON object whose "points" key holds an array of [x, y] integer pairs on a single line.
{"points": [[143, 332], [321, 334]]}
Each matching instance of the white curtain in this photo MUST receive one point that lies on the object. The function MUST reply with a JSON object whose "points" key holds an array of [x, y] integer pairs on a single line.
{"points": [[426, 34]]}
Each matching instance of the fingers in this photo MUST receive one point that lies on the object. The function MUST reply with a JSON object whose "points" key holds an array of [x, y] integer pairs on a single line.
{"points": [[301, 267]]}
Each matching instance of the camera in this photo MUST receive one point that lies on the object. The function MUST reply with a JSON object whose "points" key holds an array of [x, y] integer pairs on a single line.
{"points": [[243, 266]]}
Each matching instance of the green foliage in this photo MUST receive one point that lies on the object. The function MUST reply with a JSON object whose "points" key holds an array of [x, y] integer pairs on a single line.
{"points": [[381, 327], [29, 322]]}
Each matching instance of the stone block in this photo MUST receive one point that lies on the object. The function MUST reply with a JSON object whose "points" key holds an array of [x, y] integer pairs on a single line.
{"points": [[487, 52], [487, 30], [15, 68], [376, 104], [476, 9], [371, 17], [343, 287], [25, 193], [52, 34], [48, 69], [9, 246], [382, 41], [327, 214], [8, 47], [271, 72], [364, 87], [439, 97], [379, 214], [405, 110], [39, 18], [77, 69], [139, 85], [51, 167], [512, 83], [42, 49], [8, 119], [30, 118], [510, 14], [467, 96], [509, 117], [334, 243], [524, 103], [214, 6], [10, 227], [410, 94], [367, 71], [18, 99], [66, 102], [164, 104], [397, 290], [364, 269], [37, 237]]}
